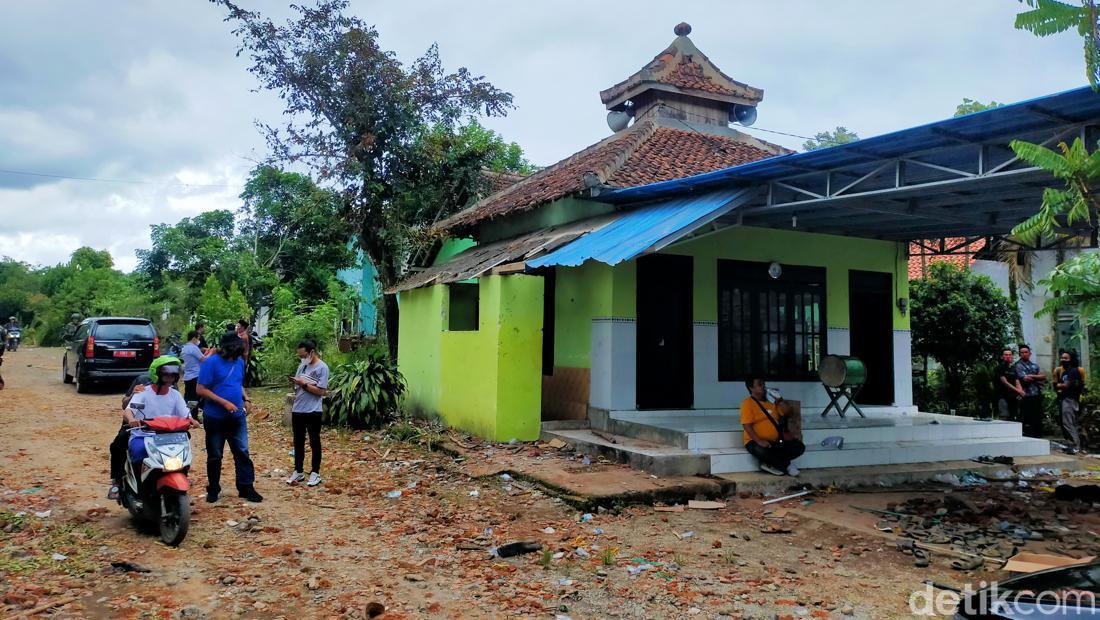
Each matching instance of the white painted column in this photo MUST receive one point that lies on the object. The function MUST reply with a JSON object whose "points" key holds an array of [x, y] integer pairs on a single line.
{"points": [[903, 368], [614, 360], [839, 341]]}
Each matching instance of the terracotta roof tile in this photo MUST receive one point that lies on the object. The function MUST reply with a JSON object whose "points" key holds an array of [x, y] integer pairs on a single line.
{"points": [[499, 181], [684, 67], [643, 153], [675, 153], [920, 258]]}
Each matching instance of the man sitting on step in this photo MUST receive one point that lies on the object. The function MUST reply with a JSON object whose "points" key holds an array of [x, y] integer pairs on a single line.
{"points": [[767, 436]]}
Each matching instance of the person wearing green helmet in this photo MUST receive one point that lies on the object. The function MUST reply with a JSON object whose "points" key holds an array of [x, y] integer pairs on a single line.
{"points": [[119, 446]]}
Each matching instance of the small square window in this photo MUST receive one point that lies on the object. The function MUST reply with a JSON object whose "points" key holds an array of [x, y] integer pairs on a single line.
{"points": [[463, 315]]}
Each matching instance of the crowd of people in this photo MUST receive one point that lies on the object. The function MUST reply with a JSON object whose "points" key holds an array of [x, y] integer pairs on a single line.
{"points": [[1019, 383], [214, 392]]}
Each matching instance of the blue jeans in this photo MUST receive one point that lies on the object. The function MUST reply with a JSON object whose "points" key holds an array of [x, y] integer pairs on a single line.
{"points": [[137, 453], [233, 429]]}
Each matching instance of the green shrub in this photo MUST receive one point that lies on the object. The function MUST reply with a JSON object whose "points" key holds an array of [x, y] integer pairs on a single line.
{"points": [[279, 356], [364, 394]]}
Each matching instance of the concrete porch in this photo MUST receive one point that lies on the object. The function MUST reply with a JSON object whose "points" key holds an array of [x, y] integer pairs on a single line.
{"points": [[710, 441]]}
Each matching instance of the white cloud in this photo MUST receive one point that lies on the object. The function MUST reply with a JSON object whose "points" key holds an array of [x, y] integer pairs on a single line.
{"points": [[153, 92]]}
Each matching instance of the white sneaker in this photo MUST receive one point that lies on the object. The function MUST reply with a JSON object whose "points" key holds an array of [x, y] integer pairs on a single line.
{"points": [[296, 477], [792, 470], [771, 470], [314, 479]]}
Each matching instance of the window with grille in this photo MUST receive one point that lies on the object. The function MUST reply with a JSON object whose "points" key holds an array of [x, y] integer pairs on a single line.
{"points": [[770, 327]]}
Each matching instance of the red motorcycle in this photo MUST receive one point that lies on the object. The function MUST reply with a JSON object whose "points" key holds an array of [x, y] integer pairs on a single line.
{"points": [[158, 493]]}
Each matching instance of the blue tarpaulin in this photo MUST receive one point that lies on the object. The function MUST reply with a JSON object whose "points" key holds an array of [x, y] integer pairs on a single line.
{"points": [[645, 228]]}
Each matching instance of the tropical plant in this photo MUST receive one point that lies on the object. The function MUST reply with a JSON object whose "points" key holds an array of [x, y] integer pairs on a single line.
{"points": [[1072, 207], [960, 319], [364, 394], [1048, 17], [1075, 284], [823, 139]]}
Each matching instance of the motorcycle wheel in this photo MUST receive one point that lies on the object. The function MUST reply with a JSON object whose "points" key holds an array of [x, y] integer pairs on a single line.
{"points": [[65, 376], [127, 499], [175, 518]]}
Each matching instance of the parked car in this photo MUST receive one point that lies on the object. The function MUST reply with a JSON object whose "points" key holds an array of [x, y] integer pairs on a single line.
{"points": [[109, 349]]}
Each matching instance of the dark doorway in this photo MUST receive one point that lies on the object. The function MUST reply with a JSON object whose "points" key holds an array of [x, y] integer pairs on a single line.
{"points": [[664, 372], [871, 316]]}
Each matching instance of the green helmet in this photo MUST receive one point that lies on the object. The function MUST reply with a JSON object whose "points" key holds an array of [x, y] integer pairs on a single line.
{"points": [[164, 360]]}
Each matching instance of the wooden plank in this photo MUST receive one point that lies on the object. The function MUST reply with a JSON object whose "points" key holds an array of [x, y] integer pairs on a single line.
{"points": [[705, 505], [508, 268]]}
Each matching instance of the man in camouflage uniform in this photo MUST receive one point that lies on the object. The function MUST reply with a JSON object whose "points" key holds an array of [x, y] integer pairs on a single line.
{"points": [[69, 331]]}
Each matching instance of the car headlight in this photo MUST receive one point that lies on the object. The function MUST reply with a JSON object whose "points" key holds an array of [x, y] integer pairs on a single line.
{"points": [[173, 463]]}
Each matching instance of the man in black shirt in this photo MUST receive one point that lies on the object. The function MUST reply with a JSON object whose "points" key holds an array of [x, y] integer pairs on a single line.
{"points": [[1068, 383], [1006, 385]]}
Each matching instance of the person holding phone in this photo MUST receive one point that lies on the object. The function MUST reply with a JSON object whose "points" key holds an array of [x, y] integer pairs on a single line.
{"points": [[310, 388]]}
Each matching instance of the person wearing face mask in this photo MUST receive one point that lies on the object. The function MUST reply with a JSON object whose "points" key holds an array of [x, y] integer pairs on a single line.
{"points": [[310, 387], [1069, 380]]}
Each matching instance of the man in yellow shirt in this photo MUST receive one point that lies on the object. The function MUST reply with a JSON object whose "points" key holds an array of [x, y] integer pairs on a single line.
{"points": [[765, 428]]}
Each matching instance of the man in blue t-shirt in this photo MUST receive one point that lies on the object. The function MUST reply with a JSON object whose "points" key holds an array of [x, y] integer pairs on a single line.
{"points": [[221, 386]]}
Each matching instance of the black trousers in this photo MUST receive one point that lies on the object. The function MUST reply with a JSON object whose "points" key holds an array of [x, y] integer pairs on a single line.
{"points": [[1031, 414], [778, 455], [303, 423], [191, 390], [119, 447]]}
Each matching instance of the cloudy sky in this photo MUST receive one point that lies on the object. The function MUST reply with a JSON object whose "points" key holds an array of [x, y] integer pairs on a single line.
{"points": [[148, 97]]}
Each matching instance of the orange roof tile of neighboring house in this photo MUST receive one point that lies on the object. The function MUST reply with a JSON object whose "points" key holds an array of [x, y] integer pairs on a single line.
{"points": [[643, 153], [920, 258]]}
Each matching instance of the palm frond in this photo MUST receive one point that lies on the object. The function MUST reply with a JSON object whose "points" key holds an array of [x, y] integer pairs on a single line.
{"points": [[1051, 17], [1032, 229], [1041, 157]]}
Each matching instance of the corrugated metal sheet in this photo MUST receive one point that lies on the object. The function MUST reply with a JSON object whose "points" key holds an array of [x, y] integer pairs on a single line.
{"points": [[1061, 109], [481, 259], [651, 226]]}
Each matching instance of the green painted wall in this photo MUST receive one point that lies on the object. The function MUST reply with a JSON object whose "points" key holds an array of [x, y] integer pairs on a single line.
{"points": [[558, 212], [451, 248], [837, 254], [489, 381], [580, 295], [519, 358], [419, 354]]}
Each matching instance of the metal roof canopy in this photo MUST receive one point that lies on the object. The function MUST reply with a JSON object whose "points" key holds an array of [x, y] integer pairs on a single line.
{"points": [[956, 177], [646, 229]]}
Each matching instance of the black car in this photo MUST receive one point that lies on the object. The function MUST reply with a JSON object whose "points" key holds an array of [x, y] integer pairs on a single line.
{"points": [[109, 348]]}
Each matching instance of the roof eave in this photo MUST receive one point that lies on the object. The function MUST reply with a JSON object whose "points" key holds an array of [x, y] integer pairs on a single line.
{"points": [[634, 90]]}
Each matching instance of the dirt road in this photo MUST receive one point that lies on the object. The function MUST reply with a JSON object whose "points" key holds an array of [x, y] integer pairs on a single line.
{"points": [[333, 550]]}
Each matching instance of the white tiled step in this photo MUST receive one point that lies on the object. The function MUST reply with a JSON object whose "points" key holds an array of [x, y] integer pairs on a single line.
{"points": [[858, 435], [731, 460]]}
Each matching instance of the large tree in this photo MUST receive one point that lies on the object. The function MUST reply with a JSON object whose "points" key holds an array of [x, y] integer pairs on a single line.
{"points": [[359, 118], [292, 229], [960, 319], [191, 249], [823, 139]]}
